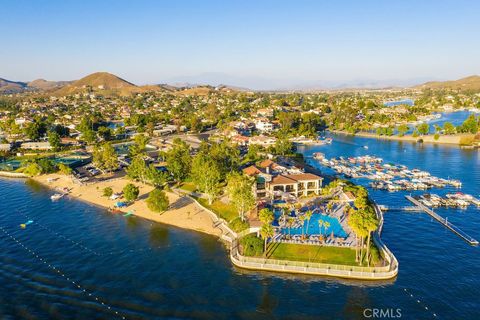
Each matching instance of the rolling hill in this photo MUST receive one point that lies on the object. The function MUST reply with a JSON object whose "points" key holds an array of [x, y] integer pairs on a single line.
{"points": [[42, 84], [471, 83], [100, 81], [8, 86]]}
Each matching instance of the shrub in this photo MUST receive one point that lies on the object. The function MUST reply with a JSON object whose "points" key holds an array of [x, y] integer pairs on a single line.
{"points": [[252, 246], [107, 192], [64, 169], [157, 201], [238, 225], [32, 170], [130, 192], [436, 136]]}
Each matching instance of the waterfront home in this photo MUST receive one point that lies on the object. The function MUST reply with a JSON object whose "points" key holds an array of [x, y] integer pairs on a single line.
{"points": [[298, 185], [263, 141], [271, 180]]}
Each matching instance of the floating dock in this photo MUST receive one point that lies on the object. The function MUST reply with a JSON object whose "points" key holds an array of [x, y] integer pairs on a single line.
{"points": [[443, 221]]}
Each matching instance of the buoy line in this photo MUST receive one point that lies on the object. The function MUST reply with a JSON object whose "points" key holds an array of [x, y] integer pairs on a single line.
{"points": [[418, 301], [82, 246], [59, 272]]}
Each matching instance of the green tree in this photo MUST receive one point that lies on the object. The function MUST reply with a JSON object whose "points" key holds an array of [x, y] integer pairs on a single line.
{"points": [[89, 136], [32, 170], [130, 192], [139, 146], [266, 232], [283, 146], [240, 191], [449, 128], [207, 175], [104, 133], [178, 159], [266, 216], [54, 140], [308, 216], [64, 169], [370, 223], [105, 157], [107, 192], [423, 128], [157, 201], [35, 130], [402, 129]]}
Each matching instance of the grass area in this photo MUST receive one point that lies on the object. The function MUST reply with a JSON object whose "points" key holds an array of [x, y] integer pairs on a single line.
{"points": [[188, 186], [311, 253], [226, 212]]}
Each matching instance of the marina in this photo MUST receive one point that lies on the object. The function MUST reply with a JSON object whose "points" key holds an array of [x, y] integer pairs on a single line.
{"points": [[385, 176]]}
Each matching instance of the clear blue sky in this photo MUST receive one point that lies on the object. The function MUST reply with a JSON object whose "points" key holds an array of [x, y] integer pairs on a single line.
{"points": [[267, 44]]}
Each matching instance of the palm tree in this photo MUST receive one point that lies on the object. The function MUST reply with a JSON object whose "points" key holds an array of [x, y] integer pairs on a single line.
{"points": [[371, 224], [329, 206], [320, 225], [326, 224], [302, 219], [354, 222], [266, 232], [308, 215], [290, 223]]}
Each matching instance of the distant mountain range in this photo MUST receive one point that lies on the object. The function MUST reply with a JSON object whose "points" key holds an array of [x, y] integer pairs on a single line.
{"points": [[108, 83], [8, 87], [471, 83]]}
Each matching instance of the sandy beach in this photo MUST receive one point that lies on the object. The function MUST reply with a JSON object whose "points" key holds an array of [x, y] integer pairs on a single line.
{"points": [[183, 212], [443, 139]]}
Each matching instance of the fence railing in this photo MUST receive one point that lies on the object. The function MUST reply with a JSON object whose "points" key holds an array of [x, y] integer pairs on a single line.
{"points": [[387, 271]]}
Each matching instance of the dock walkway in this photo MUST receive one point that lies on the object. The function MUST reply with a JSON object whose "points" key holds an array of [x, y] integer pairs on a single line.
{"points": [[443, 221]]}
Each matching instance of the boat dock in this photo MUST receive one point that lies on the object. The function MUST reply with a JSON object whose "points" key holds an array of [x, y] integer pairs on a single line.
{"points": [[405, 208], [443, 221]]}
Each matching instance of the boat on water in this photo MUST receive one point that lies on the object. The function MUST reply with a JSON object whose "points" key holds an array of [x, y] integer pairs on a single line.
{"points": [[318, 156], [57, 196]]}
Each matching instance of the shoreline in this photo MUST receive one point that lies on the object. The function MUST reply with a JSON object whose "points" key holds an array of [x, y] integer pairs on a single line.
{"points": [[182, 213], [452, 140]]}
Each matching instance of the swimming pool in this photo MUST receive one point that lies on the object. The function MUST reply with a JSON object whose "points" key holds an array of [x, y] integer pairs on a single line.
{"points": [[314, 227]]}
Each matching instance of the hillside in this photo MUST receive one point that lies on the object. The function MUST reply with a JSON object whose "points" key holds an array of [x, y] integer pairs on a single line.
{"points": [[8, 87], [42, 84], [471, 83], [102, 82]]}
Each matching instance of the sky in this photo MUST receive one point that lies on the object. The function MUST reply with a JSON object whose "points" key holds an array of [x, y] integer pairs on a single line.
{"points": [[255, 44]]}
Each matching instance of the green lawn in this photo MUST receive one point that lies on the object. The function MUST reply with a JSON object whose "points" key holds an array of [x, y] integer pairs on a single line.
{"points": [[223, 210], [311, 253], [226, 212]]}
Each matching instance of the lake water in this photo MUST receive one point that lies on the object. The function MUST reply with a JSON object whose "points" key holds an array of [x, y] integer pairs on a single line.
{"points": [[144, 270], [408, 102]]}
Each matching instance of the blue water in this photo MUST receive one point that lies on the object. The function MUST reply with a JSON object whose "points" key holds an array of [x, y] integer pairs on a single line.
{"points": [[312, 227], [145, 270], [409, 102], [455, 118]]}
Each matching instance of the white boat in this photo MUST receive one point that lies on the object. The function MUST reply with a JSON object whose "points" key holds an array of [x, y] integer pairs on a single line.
{"points": [[56, 196]]}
